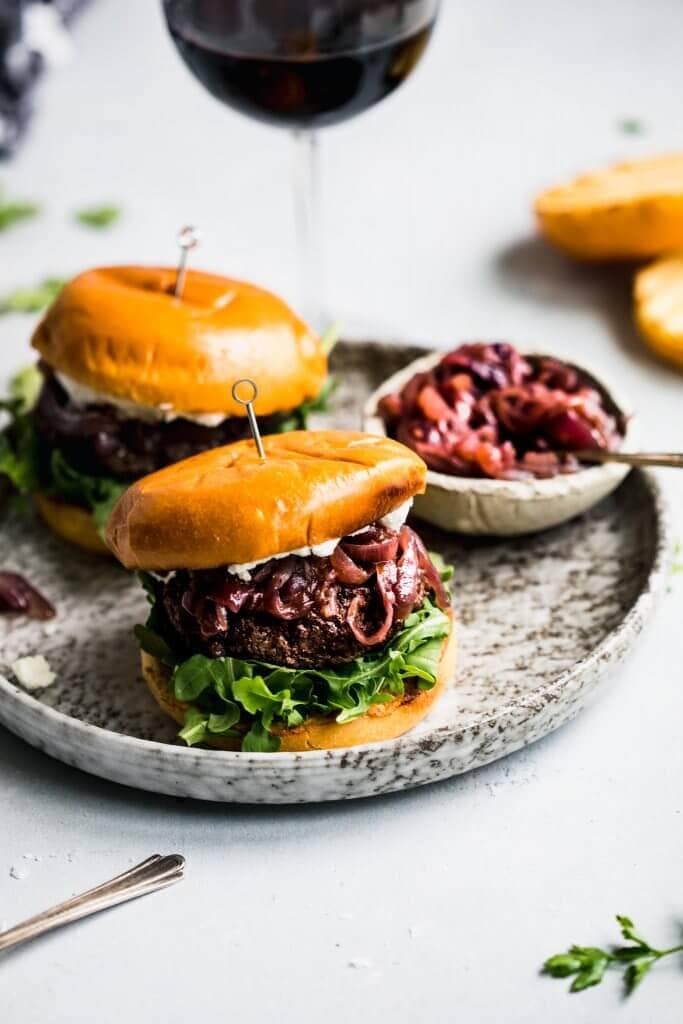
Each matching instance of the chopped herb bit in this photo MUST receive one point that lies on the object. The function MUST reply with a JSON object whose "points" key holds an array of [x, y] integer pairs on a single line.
{"points": [[587, 964], [13, 212], [32, 299], [677, 564], [98, 216], [631, 126]]}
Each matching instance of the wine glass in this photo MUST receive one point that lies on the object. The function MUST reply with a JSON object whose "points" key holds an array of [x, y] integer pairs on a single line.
{"points": [[302, 64]]}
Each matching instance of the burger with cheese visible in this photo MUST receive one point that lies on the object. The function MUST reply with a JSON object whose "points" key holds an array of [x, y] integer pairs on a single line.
{"points": [[292, 607], [133, 379]]}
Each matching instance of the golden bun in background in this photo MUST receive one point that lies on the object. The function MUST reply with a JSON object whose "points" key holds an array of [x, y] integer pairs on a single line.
{"points": [[71, 523], [381, 722], [629, 211], [658, 295], [228, 506], [122, 332]]}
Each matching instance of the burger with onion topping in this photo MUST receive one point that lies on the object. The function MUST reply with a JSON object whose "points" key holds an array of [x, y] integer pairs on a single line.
{"points": [[131, 379], [292, 607]]}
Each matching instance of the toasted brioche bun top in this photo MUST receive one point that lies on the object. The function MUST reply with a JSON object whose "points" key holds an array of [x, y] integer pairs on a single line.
{"points": [[121, 331], [227, 506]]}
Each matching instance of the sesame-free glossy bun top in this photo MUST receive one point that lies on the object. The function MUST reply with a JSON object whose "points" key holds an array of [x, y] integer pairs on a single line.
{"points": [[121, 331], [228, 506]]}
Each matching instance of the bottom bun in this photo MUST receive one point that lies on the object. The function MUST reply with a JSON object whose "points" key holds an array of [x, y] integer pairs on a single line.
{"points": [[382, 721], [72, 523]]}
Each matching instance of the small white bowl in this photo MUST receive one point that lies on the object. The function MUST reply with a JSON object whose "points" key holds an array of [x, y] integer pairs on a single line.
{"points": [[505, 508]]}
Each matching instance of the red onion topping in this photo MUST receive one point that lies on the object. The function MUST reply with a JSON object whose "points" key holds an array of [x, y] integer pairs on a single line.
{"points": [[18, 595], [484, 410]]}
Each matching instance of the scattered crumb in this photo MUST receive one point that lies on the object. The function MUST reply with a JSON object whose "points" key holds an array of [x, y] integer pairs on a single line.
{"points": [[33, 672], [360, 963], [50, 628], [32, 856], [19, 873], [413, 931]]}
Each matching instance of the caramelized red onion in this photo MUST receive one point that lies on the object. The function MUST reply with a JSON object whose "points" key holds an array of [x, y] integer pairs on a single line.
{"points": [[486, 411], [370, 584], [18, 595]]}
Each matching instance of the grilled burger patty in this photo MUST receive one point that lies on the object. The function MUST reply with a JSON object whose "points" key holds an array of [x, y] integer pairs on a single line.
{"points": [[305, 612], [98, 440]]}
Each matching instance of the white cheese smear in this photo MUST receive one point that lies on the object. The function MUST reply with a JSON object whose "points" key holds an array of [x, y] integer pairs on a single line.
{"points": [[81, 394], [33, 672], [392, 521]]}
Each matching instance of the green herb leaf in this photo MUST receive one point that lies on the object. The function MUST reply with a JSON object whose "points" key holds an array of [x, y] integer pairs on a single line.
{"points": [[19, 454], [98, 216], [194, 729], [266, 694], [221, 724], [628, 931], [33, 299], [97, 493], [330, 337], [636, 972], [24, 388], [259, 741], [589, 963], [631, 126], [590, 975], [562, 965], [12, 213], [151, 643], [298, 418]]}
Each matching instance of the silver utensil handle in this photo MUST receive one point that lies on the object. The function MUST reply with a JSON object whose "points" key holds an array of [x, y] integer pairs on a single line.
{"points": [[673, 459], [149, 876]]}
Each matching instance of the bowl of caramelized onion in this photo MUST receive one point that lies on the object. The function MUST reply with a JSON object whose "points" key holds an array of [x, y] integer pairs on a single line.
{"points": [[497, 430]]}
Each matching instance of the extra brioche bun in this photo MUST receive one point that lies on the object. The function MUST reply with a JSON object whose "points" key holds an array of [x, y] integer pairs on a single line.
{"points": [[120, 331], [72, 523], [382, 721], [227, 506]]}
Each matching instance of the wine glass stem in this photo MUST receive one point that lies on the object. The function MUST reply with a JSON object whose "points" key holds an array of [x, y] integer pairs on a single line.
{"points": [[307, 211]]}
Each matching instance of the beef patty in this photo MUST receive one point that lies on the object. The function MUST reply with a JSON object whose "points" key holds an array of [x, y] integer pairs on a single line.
{"points": [[98, 440]]}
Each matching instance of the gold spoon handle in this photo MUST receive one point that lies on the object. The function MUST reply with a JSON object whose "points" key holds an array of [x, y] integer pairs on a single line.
{"points": [[149, 876], [631, 458]]}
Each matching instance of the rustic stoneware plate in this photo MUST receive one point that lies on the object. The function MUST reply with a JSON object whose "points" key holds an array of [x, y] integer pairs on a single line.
{"points": [[541, 621]]}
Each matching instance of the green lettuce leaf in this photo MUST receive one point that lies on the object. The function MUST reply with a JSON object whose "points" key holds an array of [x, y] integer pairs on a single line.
{"points": [[230, 695], [19, 454], [298, 418], [34, 298], [98, 493]]}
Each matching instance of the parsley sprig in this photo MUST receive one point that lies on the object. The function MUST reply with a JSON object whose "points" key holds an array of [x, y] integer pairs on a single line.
{"points": [[14, 211], [587, 964]]}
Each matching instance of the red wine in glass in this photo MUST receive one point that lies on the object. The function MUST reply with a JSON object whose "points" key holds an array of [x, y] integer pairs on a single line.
{"points": [[302, 64]]}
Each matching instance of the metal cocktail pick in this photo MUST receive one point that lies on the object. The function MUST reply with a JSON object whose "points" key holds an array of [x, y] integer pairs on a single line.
{"points": [[251, 415], [187, 238]]}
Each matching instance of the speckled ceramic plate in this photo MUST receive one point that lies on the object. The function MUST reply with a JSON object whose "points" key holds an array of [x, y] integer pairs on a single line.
{"points": [[541, 620]]}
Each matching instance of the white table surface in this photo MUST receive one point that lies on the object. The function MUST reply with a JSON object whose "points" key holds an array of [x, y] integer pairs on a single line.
{"points": [[448, 898]]}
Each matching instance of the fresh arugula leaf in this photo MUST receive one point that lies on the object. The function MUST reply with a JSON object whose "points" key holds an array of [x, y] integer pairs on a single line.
{"points": [[13, 212], [268, 694], [32, 299], [298, 418], [19, 454], [330, 337], [24, 388], [446, 571], [98, 216], [588, 964], [151, 643], [195, 727], [98, 493], [259, 741]]}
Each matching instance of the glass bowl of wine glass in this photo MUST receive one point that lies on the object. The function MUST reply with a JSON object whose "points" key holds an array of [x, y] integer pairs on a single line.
{"points": [[302, 64]]}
